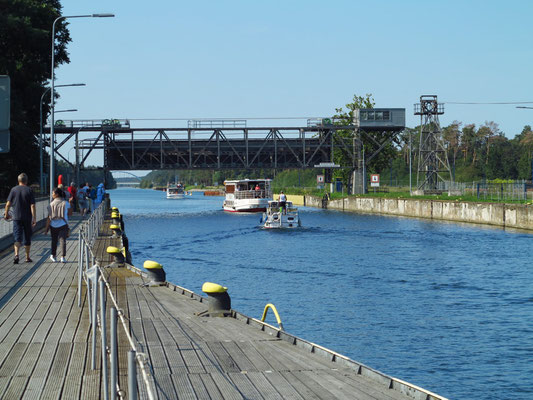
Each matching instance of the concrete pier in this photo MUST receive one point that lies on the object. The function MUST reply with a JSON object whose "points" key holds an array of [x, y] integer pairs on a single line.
{"points": [[45, 341], [519, 216]]}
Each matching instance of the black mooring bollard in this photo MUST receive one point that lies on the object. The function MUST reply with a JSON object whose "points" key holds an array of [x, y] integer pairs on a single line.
{"points": [[219, 304], [156, 273]]}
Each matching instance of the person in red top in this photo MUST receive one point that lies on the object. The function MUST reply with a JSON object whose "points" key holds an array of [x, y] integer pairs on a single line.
{"points": [[72, 200]]}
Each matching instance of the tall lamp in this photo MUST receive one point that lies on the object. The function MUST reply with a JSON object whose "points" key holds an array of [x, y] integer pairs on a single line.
{"points": [[41, 177], [52, 86]]}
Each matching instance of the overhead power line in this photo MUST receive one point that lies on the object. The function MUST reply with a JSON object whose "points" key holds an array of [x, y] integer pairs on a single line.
{"points": [[496, 103]]}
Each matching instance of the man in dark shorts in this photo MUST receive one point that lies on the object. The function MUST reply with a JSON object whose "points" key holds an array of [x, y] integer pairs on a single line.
{"points": [[22, 201]]}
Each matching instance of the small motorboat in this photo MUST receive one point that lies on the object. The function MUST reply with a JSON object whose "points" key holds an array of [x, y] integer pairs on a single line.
{"points": [[175, 191], [279, 216]]}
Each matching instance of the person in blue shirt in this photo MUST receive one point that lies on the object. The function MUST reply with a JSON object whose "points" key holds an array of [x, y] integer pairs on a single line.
{"points": [[92, 197], [100, 194]]}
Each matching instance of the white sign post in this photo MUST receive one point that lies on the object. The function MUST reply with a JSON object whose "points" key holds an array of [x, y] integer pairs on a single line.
{"points": [[320, 181], [374, 180]]}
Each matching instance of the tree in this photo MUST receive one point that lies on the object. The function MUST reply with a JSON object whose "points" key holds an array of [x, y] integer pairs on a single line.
{"points": [[346, 117], [25, 55], [468, 141], [525, 143], [452, 137]]}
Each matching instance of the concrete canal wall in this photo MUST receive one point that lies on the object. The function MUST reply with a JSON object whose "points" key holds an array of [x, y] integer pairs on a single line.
{"points": [[505, 215]]}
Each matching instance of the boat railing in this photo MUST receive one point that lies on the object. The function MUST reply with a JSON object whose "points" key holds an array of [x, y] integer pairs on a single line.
{"points": [[253, 194]]}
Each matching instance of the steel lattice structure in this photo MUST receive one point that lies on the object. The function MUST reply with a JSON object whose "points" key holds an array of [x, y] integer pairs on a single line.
{"points": [[432, 154], [237, 147]]}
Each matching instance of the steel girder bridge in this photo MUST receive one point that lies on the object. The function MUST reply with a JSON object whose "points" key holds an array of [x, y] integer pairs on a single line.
{"points": [[209, 148], [235, 147]]}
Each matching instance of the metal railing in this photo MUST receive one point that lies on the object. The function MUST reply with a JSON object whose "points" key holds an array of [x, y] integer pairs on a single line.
{"points": [[98, 290], [90, 123], [253, 194], [216, 123]]}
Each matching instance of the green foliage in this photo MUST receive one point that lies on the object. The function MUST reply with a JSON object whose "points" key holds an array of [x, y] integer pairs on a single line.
{"points": [[201, 177], [346, 117], [296, 178], [25, 32]]}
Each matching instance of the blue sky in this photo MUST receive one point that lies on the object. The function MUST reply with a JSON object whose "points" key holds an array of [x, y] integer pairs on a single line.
{"points": [[244, 59]]}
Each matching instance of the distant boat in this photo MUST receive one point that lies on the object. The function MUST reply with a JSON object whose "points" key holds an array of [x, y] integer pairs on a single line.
{"points": [[175, 191], [277, 217], [247, 195]]}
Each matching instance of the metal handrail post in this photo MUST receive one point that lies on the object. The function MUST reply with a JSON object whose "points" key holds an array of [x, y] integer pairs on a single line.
{"points": [[113, 345], [80, 268], [95, 316], [87, 255], [90, 287], [132, 375], [103, 336]]}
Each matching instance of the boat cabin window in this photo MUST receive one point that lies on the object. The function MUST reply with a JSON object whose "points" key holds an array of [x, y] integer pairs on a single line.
{"points": [[230, 188]]}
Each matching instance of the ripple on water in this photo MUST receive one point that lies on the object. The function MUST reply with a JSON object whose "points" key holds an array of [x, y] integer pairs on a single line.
{"points": [[444, 306]]}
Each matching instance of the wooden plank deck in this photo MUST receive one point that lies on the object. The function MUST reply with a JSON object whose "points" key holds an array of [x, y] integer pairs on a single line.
{"points": [[45, 342]]}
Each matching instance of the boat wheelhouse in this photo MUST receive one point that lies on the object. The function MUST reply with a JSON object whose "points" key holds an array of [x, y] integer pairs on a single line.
{"points": [[175, 191], [247, 195], [279, 215]]}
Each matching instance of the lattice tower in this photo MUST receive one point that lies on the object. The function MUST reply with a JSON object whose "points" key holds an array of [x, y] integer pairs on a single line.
{"points": [[432, 154]]}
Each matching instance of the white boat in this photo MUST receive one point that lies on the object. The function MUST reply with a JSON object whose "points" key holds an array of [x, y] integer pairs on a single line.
{"points": [[175, 191], [277, 216], [247, 195]]}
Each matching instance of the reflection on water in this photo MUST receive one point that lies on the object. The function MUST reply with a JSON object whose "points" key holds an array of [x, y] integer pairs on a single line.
{"points": [[444, 306]]}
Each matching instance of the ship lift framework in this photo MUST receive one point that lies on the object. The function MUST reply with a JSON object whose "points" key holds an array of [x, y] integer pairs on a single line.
{"points": [[432, 154], [223, 147]]}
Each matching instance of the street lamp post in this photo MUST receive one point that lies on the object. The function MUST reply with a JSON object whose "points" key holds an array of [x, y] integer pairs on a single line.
{"points": [[52, 86], [41, 180], [58, 111]]}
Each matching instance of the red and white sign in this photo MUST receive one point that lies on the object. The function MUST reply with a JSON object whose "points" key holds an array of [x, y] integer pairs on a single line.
{"points": [[374, 180], [320, 179]]}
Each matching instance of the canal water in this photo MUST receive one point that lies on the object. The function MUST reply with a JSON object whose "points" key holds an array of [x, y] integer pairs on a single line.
{"points": [[445, 306]]}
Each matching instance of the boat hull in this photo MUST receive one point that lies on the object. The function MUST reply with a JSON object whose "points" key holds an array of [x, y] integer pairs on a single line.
{"points": [[245, 210], [283, 224], [245, 205]]}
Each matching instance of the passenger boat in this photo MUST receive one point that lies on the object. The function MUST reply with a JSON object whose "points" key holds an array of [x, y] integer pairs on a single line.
{"points": [[277, 216], [175, 191], [248, 195]]}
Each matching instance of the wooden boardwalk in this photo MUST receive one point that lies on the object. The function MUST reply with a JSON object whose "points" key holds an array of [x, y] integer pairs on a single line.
{"points": [[45, 343]]}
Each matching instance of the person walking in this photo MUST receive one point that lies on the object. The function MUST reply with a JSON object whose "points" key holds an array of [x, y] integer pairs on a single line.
{"points": [[100, 192], [65, 193], [58, 212], [73, 198], [22, 200], [82, 200], [92, 198]]}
